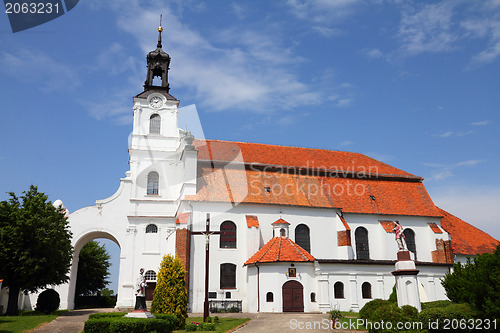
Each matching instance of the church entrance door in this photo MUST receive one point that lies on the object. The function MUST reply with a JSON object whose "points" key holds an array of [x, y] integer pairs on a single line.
{"points": [[150, 290], [293, 297]]}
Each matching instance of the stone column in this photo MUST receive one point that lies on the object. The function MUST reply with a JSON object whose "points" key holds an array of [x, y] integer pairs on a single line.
{"points": [[406, 281]]}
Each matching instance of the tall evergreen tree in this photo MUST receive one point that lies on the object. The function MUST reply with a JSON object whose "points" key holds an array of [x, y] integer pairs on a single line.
{"points": [[477, 282], [93, 269], [35, 244], [170, 295]]}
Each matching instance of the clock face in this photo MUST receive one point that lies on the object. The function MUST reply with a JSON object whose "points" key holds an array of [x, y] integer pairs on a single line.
{"points": [[156, 102]]}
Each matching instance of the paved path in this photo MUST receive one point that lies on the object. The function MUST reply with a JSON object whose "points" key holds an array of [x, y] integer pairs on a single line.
{"points": [[284, 322], [69, 322]]}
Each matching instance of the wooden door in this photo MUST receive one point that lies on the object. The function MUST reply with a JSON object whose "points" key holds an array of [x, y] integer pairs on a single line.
{"points": [[293, 297], [149, 291]]}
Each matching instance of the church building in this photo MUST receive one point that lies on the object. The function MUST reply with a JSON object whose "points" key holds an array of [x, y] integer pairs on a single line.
{"points": [[290, 229]]}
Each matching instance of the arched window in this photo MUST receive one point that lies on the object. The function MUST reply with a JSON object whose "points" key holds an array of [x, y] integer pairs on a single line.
{"points": [[282, 232], [227, 276], [154, 124], [366, 290], [228, 235], [410, 241], [153, 183], [151, 229], [362, 248], [338, 290], [269, 297], [150, 275], [313, 297], [302, 237]]}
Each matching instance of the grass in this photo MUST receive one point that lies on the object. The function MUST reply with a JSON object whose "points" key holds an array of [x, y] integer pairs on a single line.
{"points": [[26, 321], [350, 314], [225, 323]]}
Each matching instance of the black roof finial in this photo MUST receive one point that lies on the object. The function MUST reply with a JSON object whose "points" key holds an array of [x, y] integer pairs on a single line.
{"points": [[160, 29]]}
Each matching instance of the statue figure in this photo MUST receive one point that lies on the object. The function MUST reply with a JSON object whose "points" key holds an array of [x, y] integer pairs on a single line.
{"points": [[398, 230], [140, 292]]}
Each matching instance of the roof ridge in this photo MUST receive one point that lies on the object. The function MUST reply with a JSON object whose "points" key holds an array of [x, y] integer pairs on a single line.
{"points": [[285, 146], [278, 255]]}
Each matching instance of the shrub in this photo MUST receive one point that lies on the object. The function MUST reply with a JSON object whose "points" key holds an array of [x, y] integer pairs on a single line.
{"points": [[393, 297], [453, 312], [107, 315], [206, 327], [170, 295], [410, 313], [371, 306], [191, 327], [216, 319], [436, 304], [209, 319], [386, 313], [96, 325], [48, 301], [120, 324]]}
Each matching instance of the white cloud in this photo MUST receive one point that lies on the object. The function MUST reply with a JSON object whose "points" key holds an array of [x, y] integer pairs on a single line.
{"points": [[480, 123], [428, 29], [473, 204], [373, 53], [449, 134], [30, 66], [386, 158], [243, 70], [346, 143], [323, 11], [443, 171], [239, 10]]}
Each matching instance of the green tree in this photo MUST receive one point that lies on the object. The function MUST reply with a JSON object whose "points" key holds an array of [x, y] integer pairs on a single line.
{"points": [[170, 295], [93, 269], [477, 282], [35, 244]]}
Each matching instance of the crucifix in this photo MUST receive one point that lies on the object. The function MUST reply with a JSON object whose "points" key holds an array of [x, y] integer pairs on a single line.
{"points": [[207, 234]]}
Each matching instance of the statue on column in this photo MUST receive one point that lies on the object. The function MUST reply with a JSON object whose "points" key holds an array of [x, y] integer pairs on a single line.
{"points": [[140, 292], [398, 230]]}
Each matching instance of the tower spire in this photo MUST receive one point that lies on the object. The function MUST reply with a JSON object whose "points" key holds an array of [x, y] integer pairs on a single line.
{"points": [[160, 29], [158, 66]]}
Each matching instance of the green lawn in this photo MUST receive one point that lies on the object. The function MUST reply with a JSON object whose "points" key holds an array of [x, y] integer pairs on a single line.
{"points": [[225, 323], [28, 320]]}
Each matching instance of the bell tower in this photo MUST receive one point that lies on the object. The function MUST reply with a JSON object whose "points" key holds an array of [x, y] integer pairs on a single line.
{"points": [[158, 65]]}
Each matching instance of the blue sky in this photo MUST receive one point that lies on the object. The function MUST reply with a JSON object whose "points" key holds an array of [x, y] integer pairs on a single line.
{"points": [[412, 83]]}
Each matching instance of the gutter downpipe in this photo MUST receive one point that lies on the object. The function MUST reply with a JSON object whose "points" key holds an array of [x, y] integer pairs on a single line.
{"points": [[258, 288]]}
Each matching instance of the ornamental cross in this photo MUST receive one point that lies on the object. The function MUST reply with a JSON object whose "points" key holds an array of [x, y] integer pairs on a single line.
{"points": [[207, 233]]}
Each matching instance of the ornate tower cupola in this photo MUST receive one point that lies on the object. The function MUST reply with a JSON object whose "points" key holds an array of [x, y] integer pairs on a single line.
{"points": [[158, 65]]}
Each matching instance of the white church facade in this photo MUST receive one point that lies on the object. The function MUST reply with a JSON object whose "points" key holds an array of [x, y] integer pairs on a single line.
{"points": [[303, 230]]}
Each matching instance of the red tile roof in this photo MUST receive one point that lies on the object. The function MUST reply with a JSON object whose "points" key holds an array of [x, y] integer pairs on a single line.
{"points": [[393, 197], [252, 221], [182, 218], [435, 228], [280, 249], [387, 225], [280, 221], [307, 158], [465, 238]]}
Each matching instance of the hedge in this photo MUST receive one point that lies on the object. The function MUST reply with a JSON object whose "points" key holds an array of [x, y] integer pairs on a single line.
{"points": [[114, 322], [436, 304], [367, 310], [442, 315]]}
